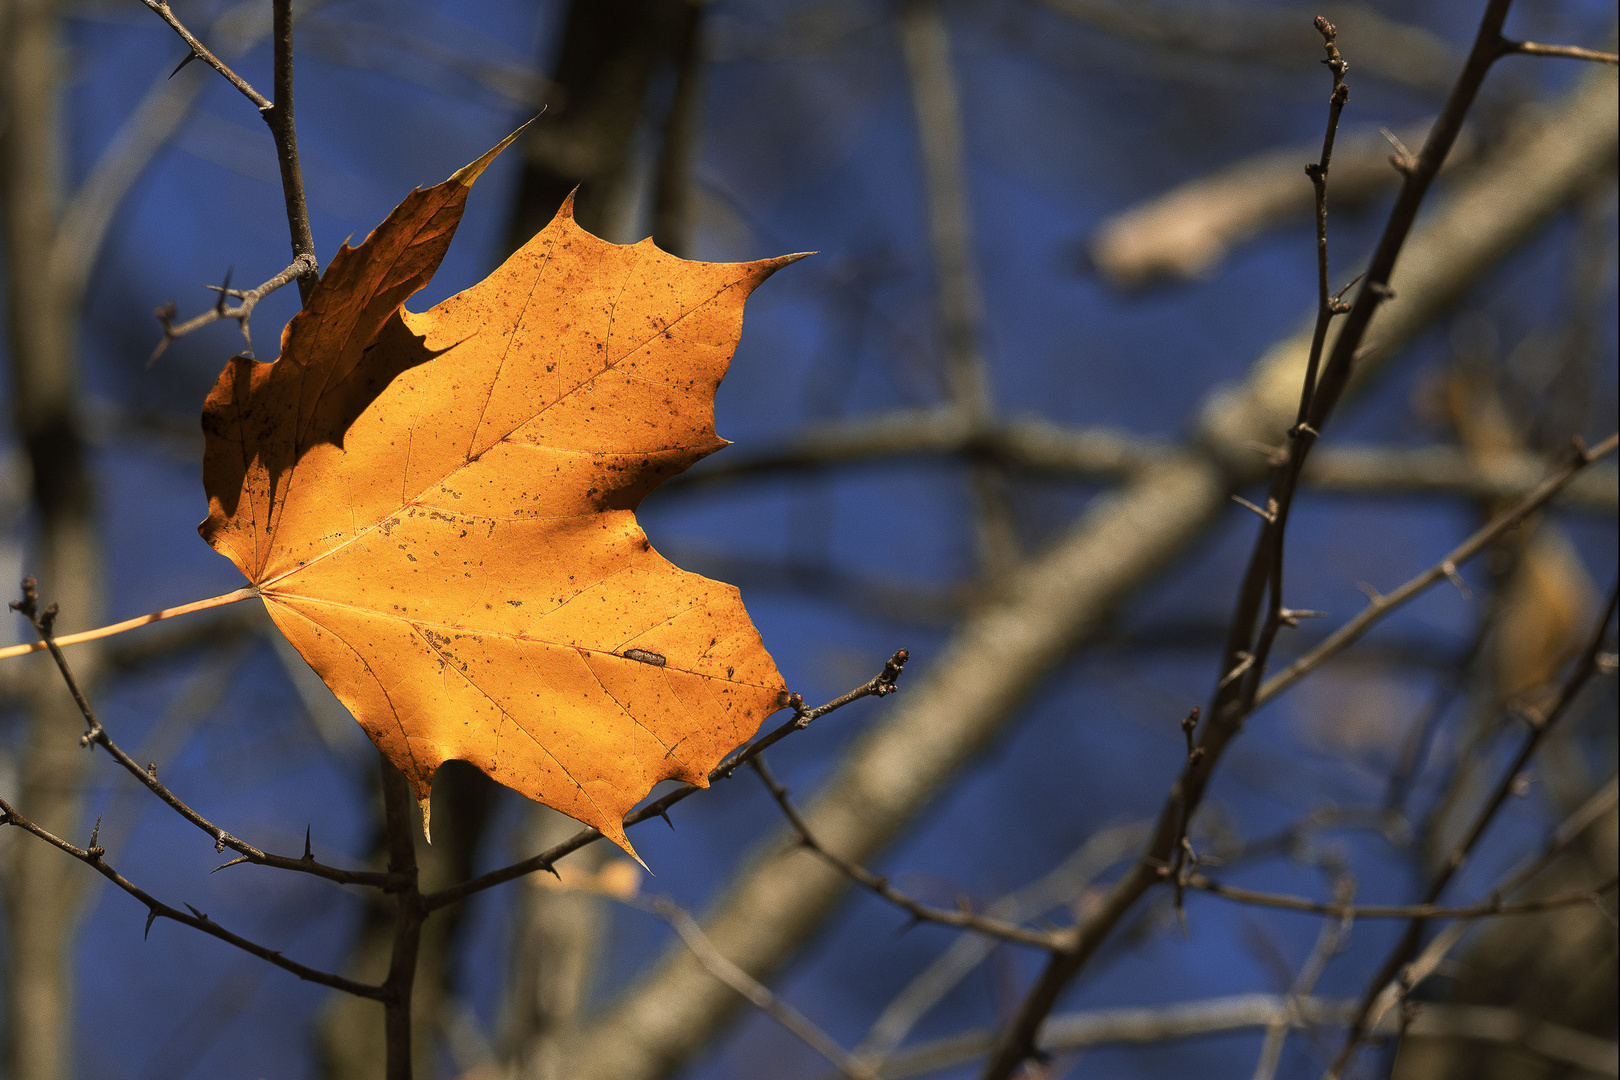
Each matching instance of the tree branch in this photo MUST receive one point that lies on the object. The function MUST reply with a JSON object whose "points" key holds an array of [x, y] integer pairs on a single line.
{"points": [[249, 298], [1446, 568], [199, 51], [998, 656], [156, 909], [1243, 662], [1485, 909], [1540, 722], [1571, 52], [43, 622], [883, 684], [964, 919], [715, 962], [1242, 1012]]}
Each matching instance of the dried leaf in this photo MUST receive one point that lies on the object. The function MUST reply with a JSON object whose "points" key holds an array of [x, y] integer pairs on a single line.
{"points": [[438, 508]]}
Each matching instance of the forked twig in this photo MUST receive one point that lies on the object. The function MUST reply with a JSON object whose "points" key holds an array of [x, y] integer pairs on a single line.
{"points": [[96, 735], [242, 312]]}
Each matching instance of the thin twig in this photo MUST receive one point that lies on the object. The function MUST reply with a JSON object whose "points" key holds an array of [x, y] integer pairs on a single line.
{"points": [[716, 964], [1486, 909], [242, 312], [97, 735], [156, 909], [881, 685], [1231, 706], [1571, 52], [1540, 722], [1382, 605], [199, 51], [399, 812], [964, 919], [1329, 941]]}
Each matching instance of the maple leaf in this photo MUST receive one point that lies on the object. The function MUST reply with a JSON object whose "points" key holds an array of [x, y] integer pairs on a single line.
{"points": [[438, 509]]}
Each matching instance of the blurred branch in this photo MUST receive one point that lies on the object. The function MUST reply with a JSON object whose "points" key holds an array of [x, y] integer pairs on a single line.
{"points": [[1329, 941], [1399, 52], [1446, 568], [1570, 52], [156, 909], [1486, 909], [1059, 887], [1044, 448], [755, 991], [1242, 1012], [1188, 231], [1540, 721], [926, 45], [997, 657], [964, 919], [673, 203]]}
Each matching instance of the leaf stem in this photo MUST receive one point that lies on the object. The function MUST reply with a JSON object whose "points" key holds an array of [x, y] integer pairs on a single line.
{"points": [[244, 593]]}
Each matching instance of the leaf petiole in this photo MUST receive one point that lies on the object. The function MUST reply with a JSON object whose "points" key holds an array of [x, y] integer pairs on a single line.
{"points": [[244, 593]]}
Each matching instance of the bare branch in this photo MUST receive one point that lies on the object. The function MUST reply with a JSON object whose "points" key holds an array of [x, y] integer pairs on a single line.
{"points": [[1540, 722], [1041, 447], [1571, 52], [1242, 1012], [1382, 605], [1329, 941], [97, 735], [242, 312], [998, 656], [156, 909], [1487, 909], [883, 684], [715, 962], [199, 51], [965, 919]]}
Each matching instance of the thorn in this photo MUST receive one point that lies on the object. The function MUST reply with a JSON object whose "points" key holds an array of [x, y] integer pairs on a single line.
{"points": [[224, 291], [665, 815], [197, 913], [1370, 593], [151, 917], [95, 832], [914, 921], [233, 862], [190, 56], [553, 871], [1449, 569], [309, 855]]}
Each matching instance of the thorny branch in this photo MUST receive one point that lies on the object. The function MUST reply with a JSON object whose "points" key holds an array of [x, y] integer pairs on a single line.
{"points": [[278, 115], [1341, 639], [1236, 691], [1540, 721], [965, 918], [242, 312], [96, 735], [156, 909], [883, 684]]}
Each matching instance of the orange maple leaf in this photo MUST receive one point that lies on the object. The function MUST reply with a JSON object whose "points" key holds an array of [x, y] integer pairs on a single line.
{"points": [[438, 509]]}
